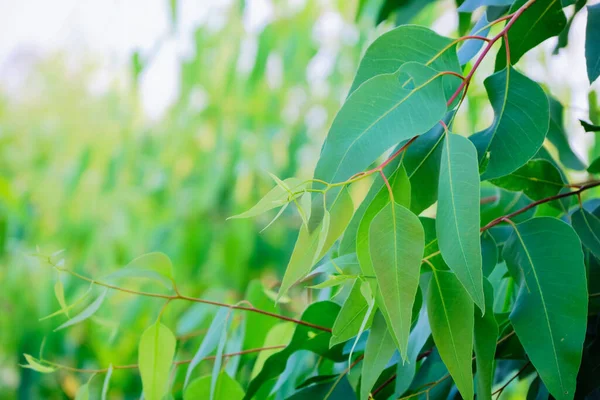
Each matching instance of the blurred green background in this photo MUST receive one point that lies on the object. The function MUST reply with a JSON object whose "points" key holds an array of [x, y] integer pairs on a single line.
{"points": [[94, 174]]}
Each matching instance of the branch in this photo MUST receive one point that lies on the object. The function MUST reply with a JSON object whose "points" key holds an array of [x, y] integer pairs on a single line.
{"points": [[519, 372]]}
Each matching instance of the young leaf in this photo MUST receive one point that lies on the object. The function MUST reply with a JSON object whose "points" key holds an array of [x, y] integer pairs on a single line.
{"points": [[592, 47], [542, 20], [276, 197], [155, 357], [35, 365], [156, 266], [385, 110], [451, 317], [210, 341], [457, 221], [521, 121], [550, 313], [405, 44], [106, 383], [486, 334], [86, 313], [587, 226], [59, 292], [538, 179], [396, 242], [225, 388], [341, 214], [306, 252], [349, 320], [379, 350]]}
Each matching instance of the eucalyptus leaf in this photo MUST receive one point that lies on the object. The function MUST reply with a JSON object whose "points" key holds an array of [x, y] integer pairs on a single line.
{"points": [[538, 179], [485, 335], [587, 226], [202, 388], [379, 350], [155, 358], [86, 312], [592, 47]]}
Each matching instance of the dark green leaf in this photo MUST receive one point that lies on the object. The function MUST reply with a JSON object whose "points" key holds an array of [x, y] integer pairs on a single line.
{"points": [[558, 137], [538, 179], [592, 45], [457, 221], [589, 127], [489, 254], [587, 226], [594, 167], [486, 333], [550, 314]]}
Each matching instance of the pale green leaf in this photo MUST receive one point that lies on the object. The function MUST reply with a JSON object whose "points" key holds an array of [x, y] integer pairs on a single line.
{"points": [[36, 365], [86, 312], [486, 334], [451, 317], [155, 357], [380, 348], [396, 242], [276, 197], [550, 313], [334, 280], [458, 215], [279, 335], [226, 388], [155, 266], [106, 383], [472, 5], [350, 318], [257, 325], [340, 215], [59, 292]]}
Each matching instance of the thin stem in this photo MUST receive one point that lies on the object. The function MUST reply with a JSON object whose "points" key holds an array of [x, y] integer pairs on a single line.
{"points": [[387, 184], [179, 296], [519, 372], [136, 366], [542, 201], [358, 359]]}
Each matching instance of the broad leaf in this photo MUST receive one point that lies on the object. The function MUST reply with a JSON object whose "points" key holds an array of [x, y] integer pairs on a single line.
{"points": [[385, 110], [86, 313], [592, 45], [486, 333], [379, 350], [257, 325], [405, 372], [451, 318], [396, 241], [538, 179], [276, 197], [83, 393], [542, 20], [350, 317], [457, 221], [406, 43], [550, 313], [226, 388], [305, 338], [587, 226], [155, 357], [521, 121], [279, 335]]}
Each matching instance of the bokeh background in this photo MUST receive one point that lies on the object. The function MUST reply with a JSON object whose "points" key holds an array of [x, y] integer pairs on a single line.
{"points": [[131, 126]]}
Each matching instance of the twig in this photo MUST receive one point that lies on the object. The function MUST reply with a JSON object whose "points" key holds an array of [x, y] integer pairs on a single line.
{"points": [[519, 372]]}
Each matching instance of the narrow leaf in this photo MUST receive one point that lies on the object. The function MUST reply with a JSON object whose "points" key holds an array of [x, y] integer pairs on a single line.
{"points": [[472, 5], [379, 350], [35, 365], [450, 311], [458, 219], [276, 197], [59, 292], [592, 47], [550, 313], [106, 383], [86, 313], [155, 357], [349, 320], [587, 226], [486, 334]]}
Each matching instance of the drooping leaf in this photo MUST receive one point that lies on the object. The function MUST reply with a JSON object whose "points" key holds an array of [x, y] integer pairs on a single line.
{"points": [[86, 312], [305, 338], [489, 255], [451, 317], [379, 350], [385, 110], [594, 167], [563, 37], [210, 341], [106, 383], [218, 361], [549, 323], [155, 357], [558, 137], [306, 252], [538, 179], [592, 47], [403, 10], [279, 335], [59, 292], [36, 365], [472, 5], [225, 388], [334, 280], [276, 197], [471, 47], [396, 242], [587, 226], [486, 333], [457, 221], [341, 214], [349, 320], [404, 44], [521, 121], [337, 389], [405, 372], [542, 20]]}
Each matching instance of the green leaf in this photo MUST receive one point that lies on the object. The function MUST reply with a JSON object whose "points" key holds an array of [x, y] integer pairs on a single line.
{"points": [[334, 280], [550, 313], [472, 5], [59, 292], [471, 47], [501, 202], [407, 43], [592, 47], [36, 365], [385, 110], [396, 242], [86, 313], [486, 334], [257, 325], [538, 179], [156, 266], [542, 20], [521, 121], [83, 393], [451, 311], [489, 254], [276, 197], [594, 167], [305, 338], [155, 357], [210, 341], [350, 318], [558, 137], [457, 221], [106, 383], [226, 388], [587, 226], [306, 251], [279, 335], [589, 127], [378, 352], [341, 214]]}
